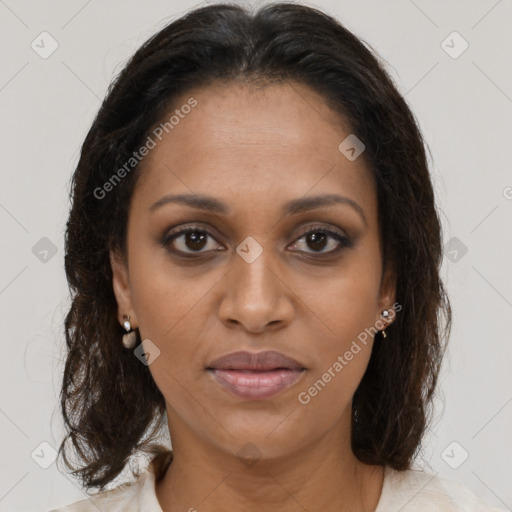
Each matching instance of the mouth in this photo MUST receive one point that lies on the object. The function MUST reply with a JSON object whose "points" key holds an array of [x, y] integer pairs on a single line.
{"points": [[255, 376], [256, 384]]}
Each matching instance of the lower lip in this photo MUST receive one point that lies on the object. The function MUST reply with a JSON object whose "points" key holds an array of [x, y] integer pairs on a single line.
{"points": [[256, 385]]}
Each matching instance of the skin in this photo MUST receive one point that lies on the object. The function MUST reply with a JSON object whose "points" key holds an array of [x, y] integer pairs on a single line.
{"points": [[256, 148]]}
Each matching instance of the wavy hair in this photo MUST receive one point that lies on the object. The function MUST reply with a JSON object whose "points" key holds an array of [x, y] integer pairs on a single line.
{"points": [[108, 399]]}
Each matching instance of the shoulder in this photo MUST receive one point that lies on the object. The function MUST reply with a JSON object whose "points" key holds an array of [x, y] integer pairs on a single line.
{"points": [[419, 491], [135, 496], [114, 500]]}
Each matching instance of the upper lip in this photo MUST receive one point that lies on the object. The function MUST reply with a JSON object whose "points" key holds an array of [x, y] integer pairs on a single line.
{"points": [[266, 360]]}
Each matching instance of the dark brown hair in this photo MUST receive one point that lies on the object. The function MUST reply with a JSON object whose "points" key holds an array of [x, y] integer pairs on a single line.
{"points": [[108, 398]]}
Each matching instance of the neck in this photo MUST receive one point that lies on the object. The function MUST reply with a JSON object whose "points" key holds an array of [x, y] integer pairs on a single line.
{"points": [[325, 475]]}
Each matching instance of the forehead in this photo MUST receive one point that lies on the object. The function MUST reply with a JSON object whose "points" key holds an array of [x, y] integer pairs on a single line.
{"points": [[271, 142]]}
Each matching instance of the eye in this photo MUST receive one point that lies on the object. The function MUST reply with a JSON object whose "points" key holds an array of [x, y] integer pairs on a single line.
{"points": [[193, 240], [318, 240], [189, 241]]}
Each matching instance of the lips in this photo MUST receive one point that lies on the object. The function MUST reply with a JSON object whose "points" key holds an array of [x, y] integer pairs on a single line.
{"points": [[263, 361], [255, 376]]}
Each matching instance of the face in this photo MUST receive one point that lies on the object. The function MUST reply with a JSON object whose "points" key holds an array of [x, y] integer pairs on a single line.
{"points": [[254, 274]]}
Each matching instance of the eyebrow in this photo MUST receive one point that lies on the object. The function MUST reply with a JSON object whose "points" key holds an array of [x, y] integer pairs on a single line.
{"points": [[295, 206]]}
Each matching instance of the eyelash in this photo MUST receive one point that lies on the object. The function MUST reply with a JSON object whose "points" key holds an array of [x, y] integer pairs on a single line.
{"points": [[172, 235]]}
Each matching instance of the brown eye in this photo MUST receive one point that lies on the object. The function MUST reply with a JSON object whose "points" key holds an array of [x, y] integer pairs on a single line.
{"points": [[189, 241], [319, 239], [195, 240]]}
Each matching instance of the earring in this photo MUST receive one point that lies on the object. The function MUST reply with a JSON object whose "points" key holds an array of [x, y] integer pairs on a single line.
{"points": [[130, 338], [385, 315]]}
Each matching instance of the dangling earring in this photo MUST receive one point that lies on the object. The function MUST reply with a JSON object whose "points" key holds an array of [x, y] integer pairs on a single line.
{"points": [[385, 315], [130, 337]]}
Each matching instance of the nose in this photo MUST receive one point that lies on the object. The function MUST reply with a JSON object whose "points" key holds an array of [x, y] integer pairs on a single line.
{"points": [[256, 296]]}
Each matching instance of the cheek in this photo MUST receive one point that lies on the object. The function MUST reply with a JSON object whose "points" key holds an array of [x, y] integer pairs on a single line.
{"points": [[343, 303], [341, 356], [327, 394], [171, 306], [344, 340], [172, 317], [164, 295]]}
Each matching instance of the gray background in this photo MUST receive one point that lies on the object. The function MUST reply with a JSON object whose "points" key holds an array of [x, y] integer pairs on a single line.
{"points": [[464, 107]]}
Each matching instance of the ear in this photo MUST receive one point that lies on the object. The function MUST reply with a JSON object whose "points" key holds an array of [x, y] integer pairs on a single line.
{"points": [[121, 286], [387, 295]]}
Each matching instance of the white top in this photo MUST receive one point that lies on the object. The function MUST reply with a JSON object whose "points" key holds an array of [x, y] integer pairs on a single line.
{"points": [[402, 491]]}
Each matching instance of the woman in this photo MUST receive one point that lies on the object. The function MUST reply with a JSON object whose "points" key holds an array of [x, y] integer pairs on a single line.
{"points": [[253, 250]]}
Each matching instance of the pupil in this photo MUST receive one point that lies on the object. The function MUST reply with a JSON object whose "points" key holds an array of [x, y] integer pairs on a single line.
{"points": [[318, 239], [197, 240]]}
